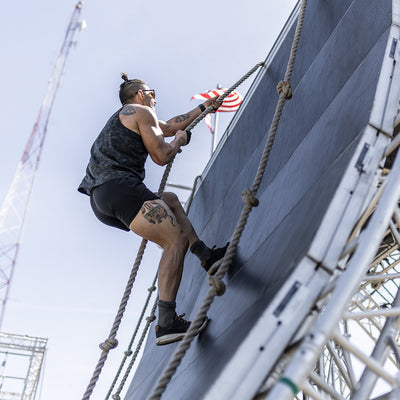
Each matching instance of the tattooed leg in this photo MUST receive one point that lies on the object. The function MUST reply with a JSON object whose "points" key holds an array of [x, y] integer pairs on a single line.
{"points": [[155, 213], [157, 223], [175, 205]]}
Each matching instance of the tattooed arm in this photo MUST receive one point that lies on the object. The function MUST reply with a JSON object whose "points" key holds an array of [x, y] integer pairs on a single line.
{"points": [[149, 129], [181, 122]]}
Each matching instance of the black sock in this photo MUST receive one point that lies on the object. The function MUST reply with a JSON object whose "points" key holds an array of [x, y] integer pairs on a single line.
{"points": [[166, 313], [200, 250]]}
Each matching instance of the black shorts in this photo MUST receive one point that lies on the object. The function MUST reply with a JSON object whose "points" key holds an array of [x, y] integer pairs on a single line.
{"points": [[117, 202]]}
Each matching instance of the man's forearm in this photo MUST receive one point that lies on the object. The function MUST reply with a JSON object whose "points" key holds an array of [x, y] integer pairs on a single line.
{"points": [[181, 122], [171, 149]]}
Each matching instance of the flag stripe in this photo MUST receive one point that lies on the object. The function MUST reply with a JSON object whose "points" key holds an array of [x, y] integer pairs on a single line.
{"points": [[230, 103]]}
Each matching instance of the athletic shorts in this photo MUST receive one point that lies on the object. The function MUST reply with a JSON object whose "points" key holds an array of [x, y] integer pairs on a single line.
{"points": [[117, 202]]}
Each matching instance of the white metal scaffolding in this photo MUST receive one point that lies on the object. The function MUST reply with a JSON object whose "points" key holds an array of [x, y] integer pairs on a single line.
{"points": [[21, 360], [352, 349]]}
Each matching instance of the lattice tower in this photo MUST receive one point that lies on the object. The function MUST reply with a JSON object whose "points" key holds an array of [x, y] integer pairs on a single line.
{"points": [[15, 206]]}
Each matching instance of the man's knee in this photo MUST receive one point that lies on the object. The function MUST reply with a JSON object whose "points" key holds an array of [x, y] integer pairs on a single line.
{"points": [[171, 199]]}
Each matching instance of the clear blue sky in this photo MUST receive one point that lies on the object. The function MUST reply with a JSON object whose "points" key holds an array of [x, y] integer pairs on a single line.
{"points": [[72, 270]]}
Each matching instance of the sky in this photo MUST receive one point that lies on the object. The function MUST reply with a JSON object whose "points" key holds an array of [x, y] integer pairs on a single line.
{"points": [[72, 270]]}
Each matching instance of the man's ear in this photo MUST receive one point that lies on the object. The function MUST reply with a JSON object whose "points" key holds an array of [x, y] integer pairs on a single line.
{"points": [[140, 93]]}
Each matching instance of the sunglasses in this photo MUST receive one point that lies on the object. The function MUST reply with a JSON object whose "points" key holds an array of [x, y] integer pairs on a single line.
{"points": [[152, 92]]}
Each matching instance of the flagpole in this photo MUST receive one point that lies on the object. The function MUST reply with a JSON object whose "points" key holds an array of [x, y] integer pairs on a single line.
{"points": [[215, 127], [212, 134], [214, 144]]}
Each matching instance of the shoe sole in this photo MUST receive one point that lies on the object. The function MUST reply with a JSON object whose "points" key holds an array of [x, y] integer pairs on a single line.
{"points": [[176, 337]]}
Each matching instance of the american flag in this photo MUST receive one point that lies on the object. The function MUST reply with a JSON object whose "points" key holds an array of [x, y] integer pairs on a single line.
{"points": [[231, 102]]}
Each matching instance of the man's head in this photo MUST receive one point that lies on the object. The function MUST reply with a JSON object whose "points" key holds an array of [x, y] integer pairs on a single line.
{"points": [[136, 91]]}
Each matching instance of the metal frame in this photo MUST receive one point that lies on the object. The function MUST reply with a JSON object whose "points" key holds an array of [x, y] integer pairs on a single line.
{"points": [[21, 365], [380, 325], [316, 296]]}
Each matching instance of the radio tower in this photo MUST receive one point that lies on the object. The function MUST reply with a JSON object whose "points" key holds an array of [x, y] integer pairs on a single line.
{"points": [[15, 206]]}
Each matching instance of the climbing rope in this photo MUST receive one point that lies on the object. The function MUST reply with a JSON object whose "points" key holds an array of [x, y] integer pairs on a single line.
{"points": [[111, 342], [217, 286], [128, 351], [202, 115], [149, 319]]}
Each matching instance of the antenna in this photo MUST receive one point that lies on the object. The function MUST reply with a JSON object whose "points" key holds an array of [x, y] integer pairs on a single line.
{"points": [[15, 206]]}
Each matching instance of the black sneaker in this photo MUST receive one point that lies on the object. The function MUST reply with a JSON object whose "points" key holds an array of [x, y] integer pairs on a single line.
{"points": [[216, 254], [177, 332]]}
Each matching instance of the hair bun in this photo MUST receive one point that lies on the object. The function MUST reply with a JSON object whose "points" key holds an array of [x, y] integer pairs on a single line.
{"points": [[124, 76]]}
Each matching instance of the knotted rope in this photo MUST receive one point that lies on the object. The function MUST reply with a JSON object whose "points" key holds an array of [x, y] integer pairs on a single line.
{"points": [[249, 198], [202, 115], [106, 347], [285, 89], [217, 284], [113, 333], [149, 319], [129, 352]]}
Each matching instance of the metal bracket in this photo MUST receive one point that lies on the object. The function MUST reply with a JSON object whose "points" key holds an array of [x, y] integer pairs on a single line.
{"points": [[361, 159]]}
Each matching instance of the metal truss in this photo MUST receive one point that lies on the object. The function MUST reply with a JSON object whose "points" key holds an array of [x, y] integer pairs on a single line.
{"points": [[350, 348], [357, 356], [21, 361]]}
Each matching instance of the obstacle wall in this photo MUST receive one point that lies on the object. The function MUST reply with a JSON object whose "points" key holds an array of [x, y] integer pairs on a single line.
{"points": [[334, 82]]}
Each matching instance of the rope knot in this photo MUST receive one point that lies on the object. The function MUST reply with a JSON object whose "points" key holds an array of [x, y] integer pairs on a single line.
{"points": [[109, 344], [217, 284], [249, 198], [116, 397], [128, 353], [151, 318], [285, 89], [151, 289]]}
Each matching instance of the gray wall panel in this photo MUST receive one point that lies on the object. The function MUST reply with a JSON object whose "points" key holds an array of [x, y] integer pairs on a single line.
{"points": [[323, 79], [334, 84], [330, 135], [250, 289], [327, 75]]}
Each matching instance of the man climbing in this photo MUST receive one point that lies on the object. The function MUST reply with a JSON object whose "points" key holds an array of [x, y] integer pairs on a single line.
{"points": [[119, 198]]}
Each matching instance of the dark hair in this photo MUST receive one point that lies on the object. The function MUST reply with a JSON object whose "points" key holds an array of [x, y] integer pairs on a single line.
{"points": [[129, 88]]}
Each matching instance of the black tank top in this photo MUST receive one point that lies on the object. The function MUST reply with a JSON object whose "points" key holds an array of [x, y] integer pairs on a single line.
{"points": [[117, 152]]}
